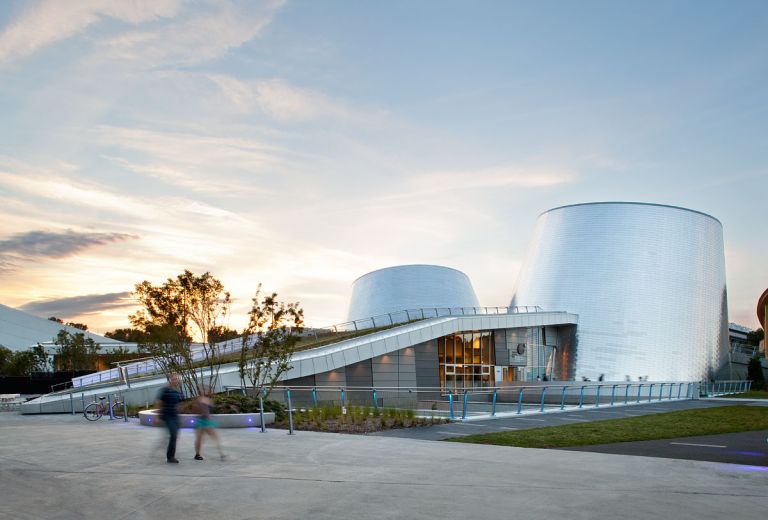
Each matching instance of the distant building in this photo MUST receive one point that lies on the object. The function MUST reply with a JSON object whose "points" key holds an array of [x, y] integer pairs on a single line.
{"points": [[20, 330]]}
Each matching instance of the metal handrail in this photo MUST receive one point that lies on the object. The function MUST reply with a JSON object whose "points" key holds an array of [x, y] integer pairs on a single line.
{"points": [[147, 365]]}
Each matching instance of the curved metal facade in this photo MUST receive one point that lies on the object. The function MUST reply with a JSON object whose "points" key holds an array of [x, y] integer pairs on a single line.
{"points": [[409, 287], [648, 284]]}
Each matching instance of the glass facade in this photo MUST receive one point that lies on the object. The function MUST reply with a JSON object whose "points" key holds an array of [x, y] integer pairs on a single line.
{"points": [[466, 360]]}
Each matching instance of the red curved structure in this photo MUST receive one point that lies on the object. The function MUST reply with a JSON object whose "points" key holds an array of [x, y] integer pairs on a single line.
{"points": [[762, 312]]}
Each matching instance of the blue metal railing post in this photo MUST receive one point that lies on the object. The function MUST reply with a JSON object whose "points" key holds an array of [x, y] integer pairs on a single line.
{"points": [[450, 405], [343, 402], [626, 394], [581, 397], [650, 393], [639, 391], [543, 391], [493, 405], [661, 392], [613, 393], [671, 389], [290, 411], [520, 402], [375, 401], [749, 387], [680, 390], [314, 397], [597, 401], [562, 398], [464, 406], [82, 400], [261, 413]]}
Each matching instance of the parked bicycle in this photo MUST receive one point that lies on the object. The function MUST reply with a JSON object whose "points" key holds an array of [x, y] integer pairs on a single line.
{"points": [[95, 410]]}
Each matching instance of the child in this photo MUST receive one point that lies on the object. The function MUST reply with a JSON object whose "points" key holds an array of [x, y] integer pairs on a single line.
{"points": [[205, 426]]}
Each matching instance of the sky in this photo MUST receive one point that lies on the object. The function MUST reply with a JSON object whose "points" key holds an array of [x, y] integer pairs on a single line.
{"points": [[301, 144]]}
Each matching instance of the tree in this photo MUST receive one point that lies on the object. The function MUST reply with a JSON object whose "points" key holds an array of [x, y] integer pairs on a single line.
{"points": [[41, 358], [6, 355], [222, 333], [57, 320], [129, 335], [175, 312], [21, 364], [74, 324], [755, 373], [755, 337], [75, 351], [269, 340]]}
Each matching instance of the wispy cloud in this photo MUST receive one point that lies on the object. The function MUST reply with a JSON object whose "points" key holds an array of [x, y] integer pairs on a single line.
{"points": [[212, 31], [75, 306], [47, 22], [280, 100], [41, 245]]}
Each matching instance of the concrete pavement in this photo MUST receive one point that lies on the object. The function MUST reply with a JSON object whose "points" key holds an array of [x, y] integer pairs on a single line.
{"points": [[62, 467]]}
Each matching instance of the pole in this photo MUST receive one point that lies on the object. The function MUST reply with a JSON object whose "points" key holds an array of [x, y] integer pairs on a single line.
{"points": [[125, 411], [543, 391], [464, 407], [597, 401], [520, 402], [450, 405], [290, 412], [493, 406], [562, 398], [261, 413], [71, 403]]}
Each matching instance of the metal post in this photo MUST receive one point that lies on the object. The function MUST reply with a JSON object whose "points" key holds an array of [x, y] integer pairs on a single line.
{"points": [[613, 393], [650, 393], [464, 406], [679, 390], [375, 403], [562, 398], [125, 411], [314, 397], [543, 391], [626, 394], [661, 392], [639, 391], [290, 411], [581, 397], [82, 399], [450, 405], [109, 404], [493, 406], [597, 401], [71, 403], [343, 402], [749, 387], [671, 388], [520, 402], [261, 413]]}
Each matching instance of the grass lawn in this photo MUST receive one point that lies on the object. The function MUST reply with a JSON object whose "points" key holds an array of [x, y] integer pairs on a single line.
{"points": [[752, 394], [685, 423]]}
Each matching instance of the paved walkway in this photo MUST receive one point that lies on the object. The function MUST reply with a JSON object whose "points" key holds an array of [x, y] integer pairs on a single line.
{"points": [[61, 467], [552, 418]]}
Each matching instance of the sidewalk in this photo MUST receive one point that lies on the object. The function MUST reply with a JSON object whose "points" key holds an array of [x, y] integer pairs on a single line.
{"points": [[63, 467]]}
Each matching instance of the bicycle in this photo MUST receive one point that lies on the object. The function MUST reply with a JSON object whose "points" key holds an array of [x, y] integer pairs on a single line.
{"points": [[95, 410]]}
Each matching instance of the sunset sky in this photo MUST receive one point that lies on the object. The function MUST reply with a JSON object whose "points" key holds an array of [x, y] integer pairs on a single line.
{"points": [[302, 144]]}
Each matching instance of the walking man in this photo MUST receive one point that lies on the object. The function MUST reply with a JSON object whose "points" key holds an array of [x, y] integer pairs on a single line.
{"points": [[170, 397]]}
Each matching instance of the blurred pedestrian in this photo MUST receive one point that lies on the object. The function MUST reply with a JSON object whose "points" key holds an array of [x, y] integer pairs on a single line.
{"points": [[205, 425], [169, 398]]}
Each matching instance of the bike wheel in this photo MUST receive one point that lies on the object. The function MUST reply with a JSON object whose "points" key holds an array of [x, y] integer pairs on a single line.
{"points": [[92, 412]]}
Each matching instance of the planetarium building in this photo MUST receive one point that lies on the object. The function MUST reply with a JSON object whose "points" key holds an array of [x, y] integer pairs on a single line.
{"points": [[646, 280]]}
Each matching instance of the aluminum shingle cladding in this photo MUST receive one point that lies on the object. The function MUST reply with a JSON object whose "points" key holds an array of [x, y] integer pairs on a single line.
{"points": [[409, 287], [647, 281]]}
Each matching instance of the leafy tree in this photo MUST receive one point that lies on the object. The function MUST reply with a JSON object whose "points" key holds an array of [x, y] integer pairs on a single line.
{"points": [[173, 313], [21, 364], [129, 335], [269, 340], [222, 333], [755, 373], [57, 320], [41, 358], [755, 337], [81, 326], [75, 351], [6, 355]]}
